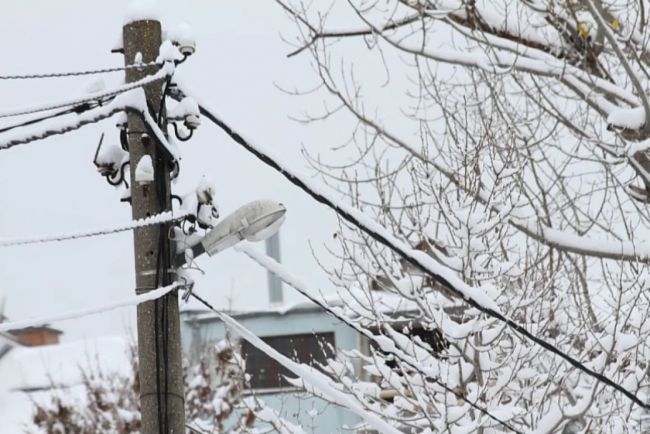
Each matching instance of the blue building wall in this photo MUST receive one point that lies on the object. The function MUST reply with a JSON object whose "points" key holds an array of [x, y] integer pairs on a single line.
{"points": [[313, 414]]}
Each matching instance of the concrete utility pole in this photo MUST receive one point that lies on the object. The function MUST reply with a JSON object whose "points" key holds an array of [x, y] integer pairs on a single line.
{"points": [[159, 345]]}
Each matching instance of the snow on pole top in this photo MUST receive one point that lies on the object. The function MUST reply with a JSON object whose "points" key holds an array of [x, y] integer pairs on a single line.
{"points": [[141, 10]]}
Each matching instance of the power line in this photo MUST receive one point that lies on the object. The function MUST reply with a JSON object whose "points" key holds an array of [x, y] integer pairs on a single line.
{"points": [[164, 217], [276, 268], [78, 109], [131, 301], [64, 126], [418, 259], [193, 429], [76, 73], [163, 73], [132, 103]]}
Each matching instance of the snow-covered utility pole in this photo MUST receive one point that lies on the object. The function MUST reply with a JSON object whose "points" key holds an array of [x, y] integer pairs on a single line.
{"points": [[159, 347]]}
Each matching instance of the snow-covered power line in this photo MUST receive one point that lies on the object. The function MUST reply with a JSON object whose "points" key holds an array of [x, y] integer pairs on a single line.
{"points": [[75, 73], [164, 217], [131, 301], [134, 100], [419, 259], [50, 127], [166, 71], [314, 381], [295, 282]]}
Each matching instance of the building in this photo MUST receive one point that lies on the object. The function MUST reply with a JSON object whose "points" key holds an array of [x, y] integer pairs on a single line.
{"points": [[302, 331], [36, 336]]}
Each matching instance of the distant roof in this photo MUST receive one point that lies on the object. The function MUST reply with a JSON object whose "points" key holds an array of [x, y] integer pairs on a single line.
{"points": [[36, 328], [200, 313], [383, 301]]}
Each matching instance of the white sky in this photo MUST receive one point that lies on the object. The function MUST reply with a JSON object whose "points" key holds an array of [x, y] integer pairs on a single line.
{"points": [[52, 185]]}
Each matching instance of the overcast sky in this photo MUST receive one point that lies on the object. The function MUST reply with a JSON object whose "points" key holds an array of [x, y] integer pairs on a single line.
{"points": [[52, 186]]}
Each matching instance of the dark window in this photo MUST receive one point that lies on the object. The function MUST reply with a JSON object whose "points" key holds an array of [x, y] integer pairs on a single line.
{"points": [[266, 373]]}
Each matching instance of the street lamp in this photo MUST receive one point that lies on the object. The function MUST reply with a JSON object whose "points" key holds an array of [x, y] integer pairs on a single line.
{"points": [[255, 221]]}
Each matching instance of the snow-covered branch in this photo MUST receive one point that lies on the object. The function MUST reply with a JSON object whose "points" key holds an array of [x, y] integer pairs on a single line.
{"points": [[389, 347], [447, 278], [311, 378]]}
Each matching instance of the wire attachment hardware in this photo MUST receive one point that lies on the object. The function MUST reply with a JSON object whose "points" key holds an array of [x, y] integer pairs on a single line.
{"points": [[111, 163]]}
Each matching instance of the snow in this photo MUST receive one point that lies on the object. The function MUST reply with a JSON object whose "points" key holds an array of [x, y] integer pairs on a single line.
{"points": [[168, 53], [15, 408], [182, 35], [142, 10], [137, 101], [144, 173], [584, 245], [205, 191], [111, 157], [186, 110], [28, 374], [130, 301], [59, 365], [633, 118], [201, 202], [96, 85]]}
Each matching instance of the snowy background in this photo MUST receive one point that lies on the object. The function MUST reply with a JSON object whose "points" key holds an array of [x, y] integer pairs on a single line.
{"points": [[52, 185]]}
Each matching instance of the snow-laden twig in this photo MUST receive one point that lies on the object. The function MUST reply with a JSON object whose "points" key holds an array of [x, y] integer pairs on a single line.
{"points": [[597, 12], [533, 61], [475, 297], [298, 284], [314, 381], [501, 60], [131, 301], [447, 277], [533, 227], [164, 217]]}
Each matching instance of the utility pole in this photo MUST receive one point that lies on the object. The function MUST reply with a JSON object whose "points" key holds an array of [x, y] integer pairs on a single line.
{"points": [[159, 346]]}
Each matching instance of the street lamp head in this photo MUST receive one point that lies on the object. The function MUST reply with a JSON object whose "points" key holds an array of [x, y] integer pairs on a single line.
{"points": [[265, 226], [255, 221]]}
